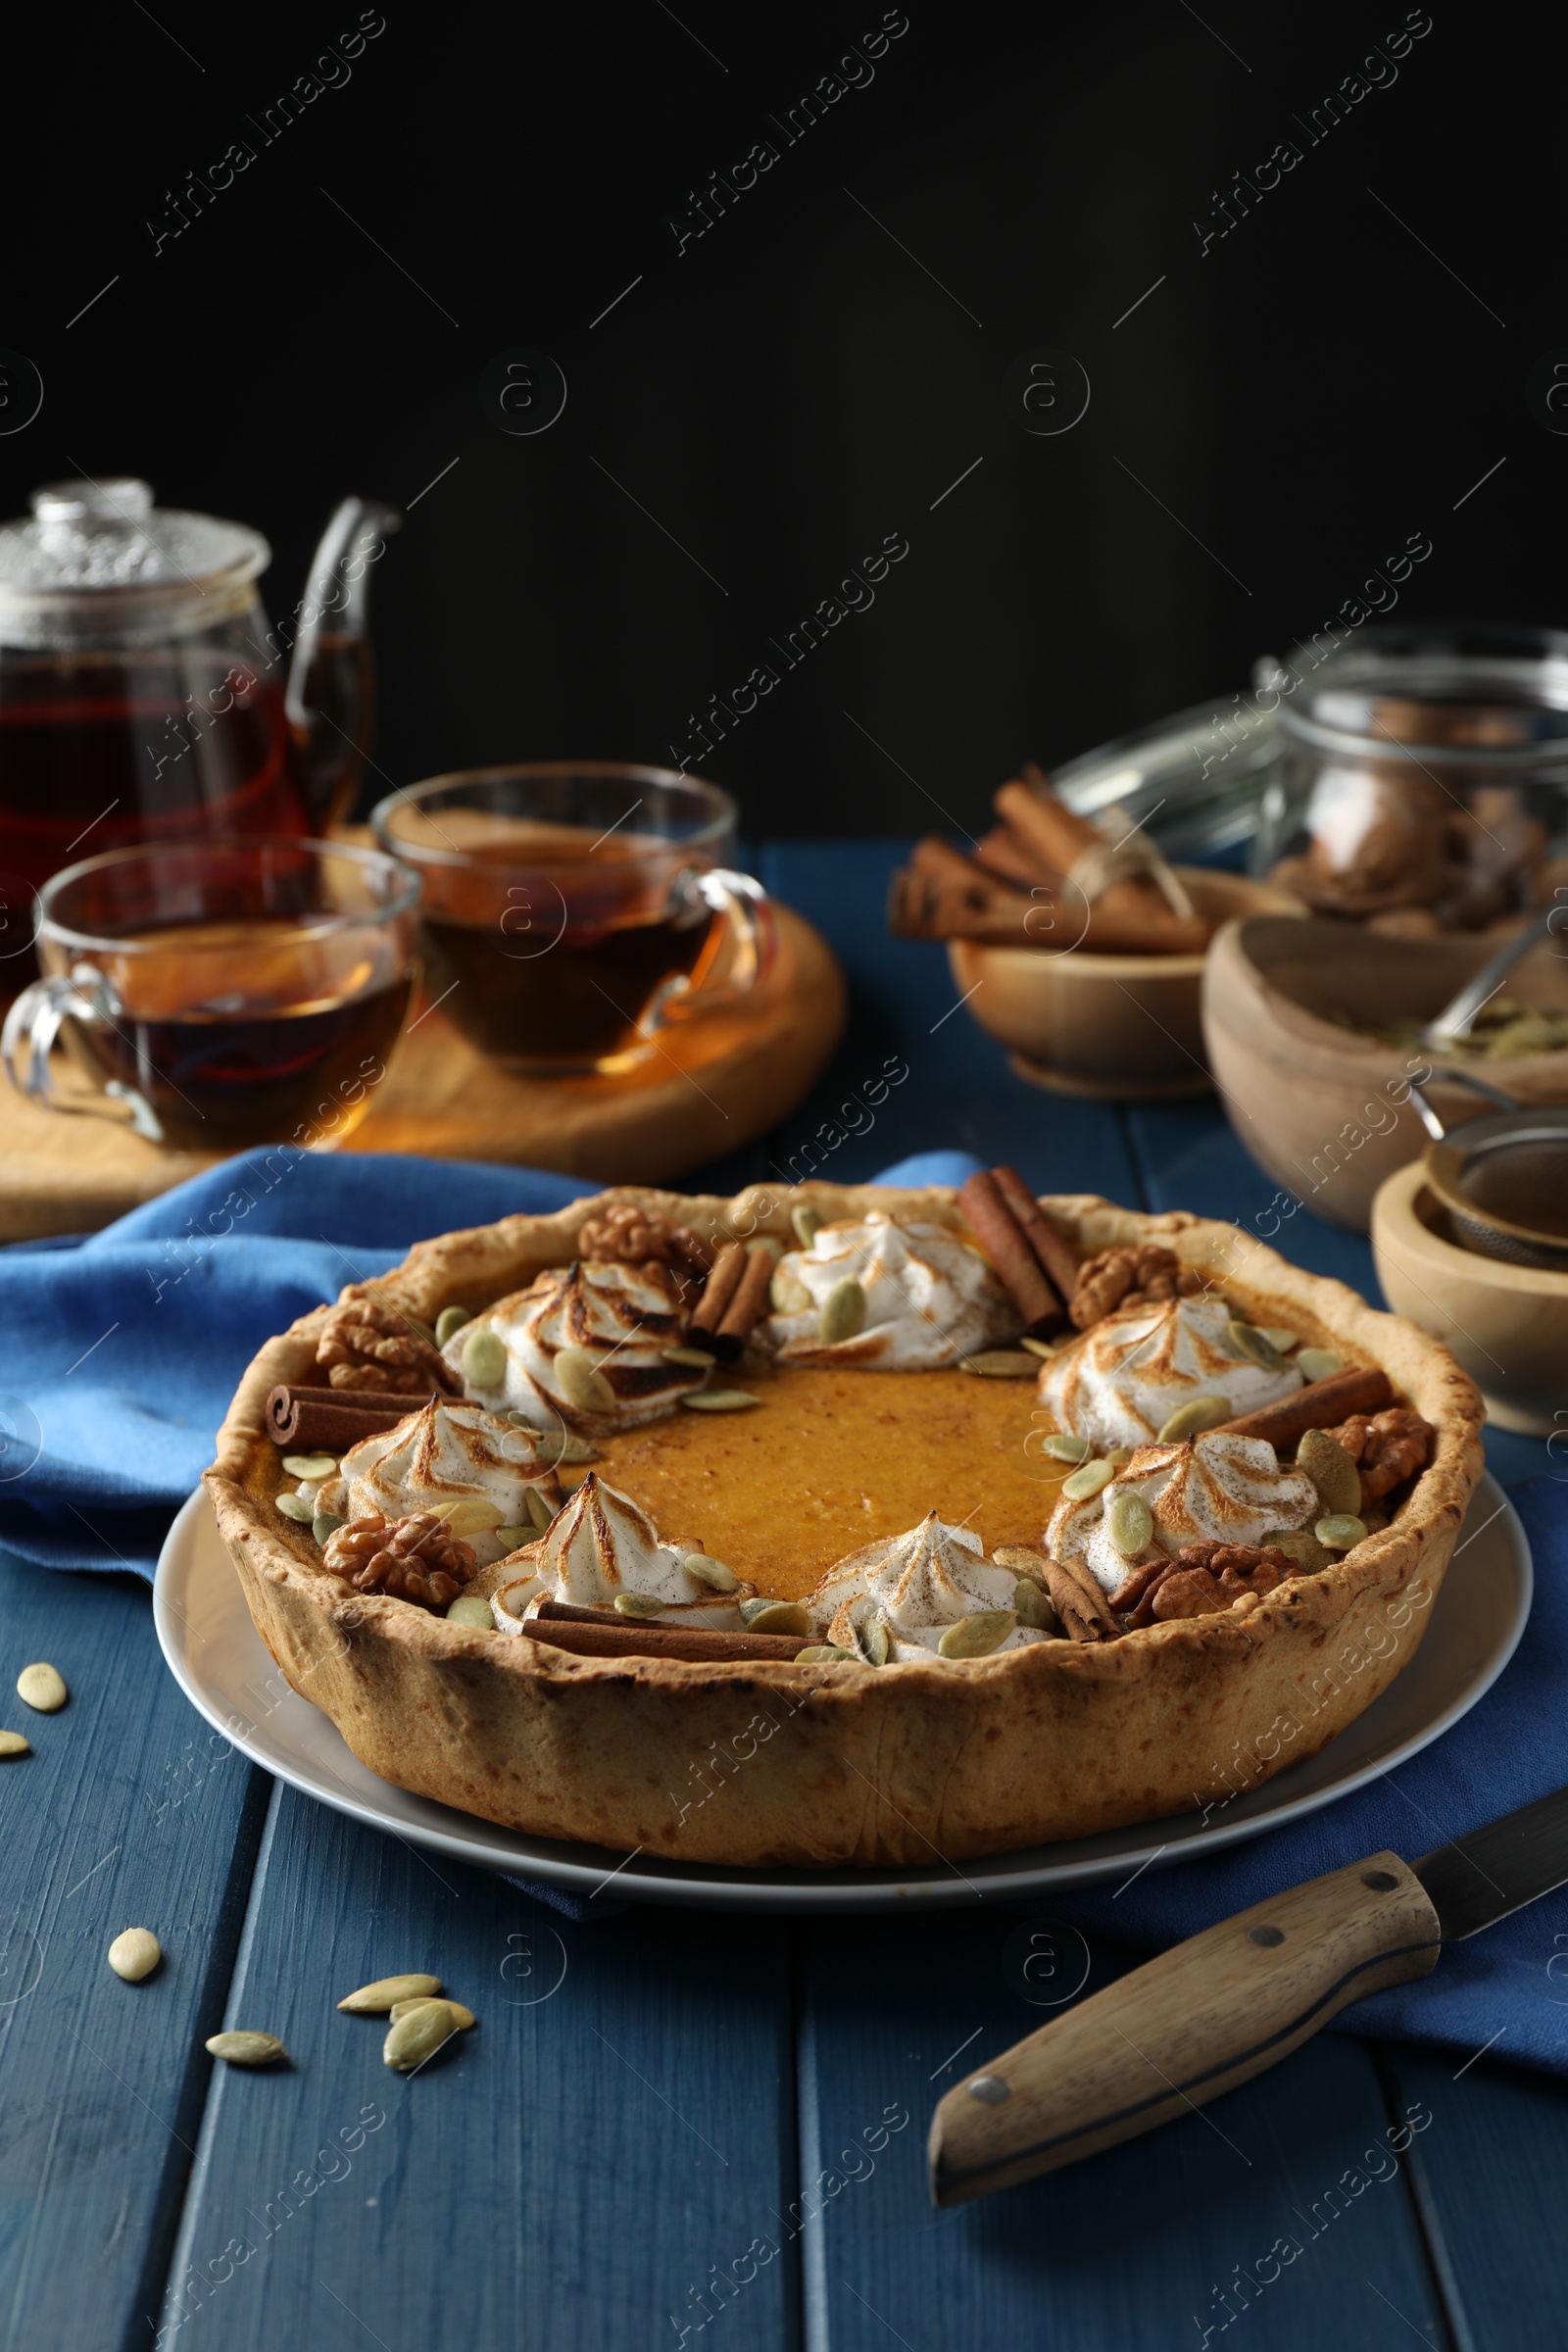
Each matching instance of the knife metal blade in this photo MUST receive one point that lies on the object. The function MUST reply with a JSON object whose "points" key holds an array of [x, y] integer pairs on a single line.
{"points": [[1479, 1879]]}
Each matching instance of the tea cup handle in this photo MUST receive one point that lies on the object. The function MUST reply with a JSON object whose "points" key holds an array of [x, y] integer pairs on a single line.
{"points": [[32, 1029], [750, 925]]}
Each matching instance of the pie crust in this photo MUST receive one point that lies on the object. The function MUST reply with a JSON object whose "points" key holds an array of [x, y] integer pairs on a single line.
{"points": [[837, 1763]]}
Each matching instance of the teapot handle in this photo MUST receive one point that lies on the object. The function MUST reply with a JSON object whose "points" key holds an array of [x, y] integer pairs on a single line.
{"points": [[330, 698]]}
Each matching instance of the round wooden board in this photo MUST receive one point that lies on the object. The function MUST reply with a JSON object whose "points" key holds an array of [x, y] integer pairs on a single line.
{"points": [[714, 1082]]}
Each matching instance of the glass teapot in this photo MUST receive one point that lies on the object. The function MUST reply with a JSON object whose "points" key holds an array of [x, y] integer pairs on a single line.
{"points": [[143, 696]]}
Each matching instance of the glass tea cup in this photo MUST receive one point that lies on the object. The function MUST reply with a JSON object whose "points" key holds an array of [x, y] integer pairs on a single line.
{"points": [[575, 910], [221, 992]]}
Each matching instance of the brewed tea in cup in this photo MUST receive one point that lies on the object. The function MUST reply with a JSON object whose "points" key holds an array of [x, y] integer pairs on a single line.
{"points": [[573, 913]]}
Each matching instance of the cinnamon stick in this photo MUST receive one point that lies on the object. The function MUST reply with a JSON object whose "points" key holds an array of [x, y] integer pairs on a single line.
{"points": [[719, 1288], [331, 1420], [749, 1299], [1364, 1388], [623, 1638], [1082, 1621], [943, 894], [1002, 1238], [1093, 1598], [1046, 1240], [1059, 838]]}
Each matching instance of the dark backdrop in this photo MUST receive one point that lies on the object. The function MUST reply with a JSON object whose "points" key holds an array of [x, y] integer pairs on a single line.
{"points": [[1291, 403]]}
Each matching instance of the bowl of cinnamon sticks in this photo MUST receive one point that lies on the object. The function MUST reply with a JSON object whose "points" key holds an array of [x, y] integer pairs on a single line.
{"points": [[1075, 945]]}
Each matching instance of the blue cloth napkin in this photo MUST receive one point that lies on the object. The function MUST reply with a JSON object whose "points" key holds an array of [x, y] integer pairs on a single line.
{"points": [[122, 1350]]}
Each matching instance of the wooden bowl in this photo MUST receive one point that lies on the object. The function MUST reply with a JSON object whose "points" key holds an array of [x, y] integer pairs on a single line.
{"points": [[1112, 1027], [1325, 1112], [1507, 1325]]}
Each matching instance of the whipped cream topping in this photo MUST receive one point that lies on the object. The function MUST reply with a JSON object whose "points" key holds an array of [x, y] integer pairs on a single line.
{"points": [[622, 1315], [1228, 1488], [918, 1584], [457, 1460], [929, 1298], [1124, 1379], [602, 1543]]}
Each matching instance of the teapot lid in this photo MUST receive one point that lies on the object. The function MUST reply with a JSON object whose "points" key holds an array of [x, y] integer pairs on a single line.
{"points": [[95, 552]]}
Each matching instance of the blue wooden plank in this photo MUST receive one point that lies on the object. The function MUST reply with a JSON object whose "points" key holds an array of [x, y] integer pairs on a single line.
{"points": [[1491, 2178], [576, 2172], [127, 1814], [1282, 2211]]}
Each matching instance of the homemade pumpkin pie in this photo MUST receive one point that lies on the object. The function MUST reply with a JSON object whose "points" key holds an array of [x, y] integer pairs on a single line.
{"points": [[845, 1525]]}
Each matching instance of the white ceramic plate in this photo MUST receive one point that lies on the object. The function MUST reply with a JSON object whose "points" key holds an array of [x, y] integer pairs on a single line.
{"points": [[224, 1669]]}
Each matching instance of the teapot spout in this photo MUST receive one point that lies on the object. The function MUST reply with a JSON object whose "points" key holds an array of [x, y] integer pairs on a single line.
{"points": [[330, 698]]}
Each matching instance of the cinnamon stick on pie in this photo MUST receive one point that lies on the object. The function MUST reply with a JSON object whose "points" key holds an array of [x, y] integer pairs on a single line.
{"points": [[331, 1420], [1321, 1404], [1008, 1246]]}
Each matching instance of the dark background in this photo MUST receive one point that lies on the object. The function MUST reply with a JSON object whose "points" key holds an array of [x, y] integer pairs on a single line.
{"points": [[1299, 400]]}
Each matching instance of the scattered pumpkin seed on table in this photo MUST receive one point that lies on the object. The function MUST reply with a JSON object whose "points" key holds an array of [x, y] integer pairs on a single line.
{"points": [[417, 2035], [134, 1955], [461, 2018], [375, 1999], [43, 1687], [242, 2045], [13, 1744]]}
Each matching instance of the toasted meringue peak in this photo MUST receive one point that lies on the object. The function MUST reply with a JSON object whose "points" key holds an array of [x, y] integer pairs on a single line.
{"points": [[1228, 1488], [454, 1458], [624, 1316], [930, 1299], [918, 1584], [602, 1543], [1124, 1379]]}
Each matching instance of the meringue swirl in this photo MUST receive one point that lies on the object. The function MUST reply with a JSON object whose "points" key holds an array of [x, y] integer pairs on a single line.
{"points": [[622, 1315], [599, 1545], [1124, 1379], [1229, 1487], [918, 1584], [455, 1459], [930, 1299]]}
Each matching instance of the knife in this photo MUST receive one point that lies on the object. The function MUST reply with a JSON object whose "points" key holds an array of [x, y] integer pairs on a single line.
{"points": [[1219, 2008]]}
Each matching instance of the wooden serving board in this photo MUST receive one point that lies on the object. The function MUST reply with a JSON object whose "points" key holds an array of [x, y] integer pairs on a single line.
{"points": [[714, 1082]]}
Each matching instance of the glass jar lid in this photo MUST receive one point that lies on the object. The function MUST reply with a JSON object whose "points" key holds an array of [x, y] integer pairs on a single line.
{"points": [[1437, 694], [97, 558]]}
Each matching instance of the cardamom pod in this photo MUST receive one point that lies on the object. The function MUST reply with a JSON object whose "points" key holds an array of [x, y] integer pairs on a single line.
{"points": [[376, 2000], [978, 1636], [807, 1223], [484, 1359], [841, 1313], [243, 2048]]}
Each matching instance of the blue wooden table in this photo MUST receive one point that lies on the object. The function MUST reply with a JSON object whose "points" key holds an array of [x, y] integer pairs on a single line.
{"points": [[667, 2129]]}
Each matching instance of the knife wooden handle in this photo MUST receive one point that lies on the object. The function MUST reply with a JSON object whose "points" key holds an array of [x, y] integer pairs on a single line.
{"points": [[1185, 2027]]}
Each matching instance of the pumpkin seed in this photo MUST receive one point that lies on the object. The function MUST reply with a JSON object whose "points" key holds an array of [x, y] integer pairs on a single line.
{"points": [[1299, 1545], [1341, 1530], [1319, 1363], [243, 2048], [469, 1609], [1043, 1347], [712, 1573], [719, 1401], [421, 1331], [1119, 1455], [515, 1538], [978, 1636], [461, 2018], [134, 1955], [1279, 1338], [556, 1445], [827, 1654], [326, 1523], [295, 1506], [697, 1359], [764, 1616], [1191, 1419], [841, 1313], [484, 1359], [1330, 1469], [539, 1510], [13, 1743], [787, 1295], [418, 2036], [1032, 1606], [469, 1514], [376, 2000], [312, 1467], [1129, 1524], [450, 1321], [581, 1382], [1246, 1340], [1087, 1480], [1064, 1449], [43, 1687], [871, 1635], [807, 1223], [999, 1363], [638, 1605]]}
